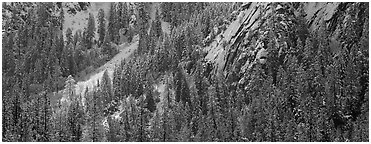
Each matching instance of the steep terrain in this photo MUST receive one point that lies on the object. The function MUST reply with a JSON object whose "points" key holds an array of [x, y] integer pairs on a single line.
{"points": [[213, 72], [125, 50], [238, 48]]}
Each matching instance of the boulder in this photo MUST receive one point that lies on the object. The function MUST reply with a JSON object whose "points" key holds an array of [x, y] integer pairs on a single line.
{"points": [[261, 56]]}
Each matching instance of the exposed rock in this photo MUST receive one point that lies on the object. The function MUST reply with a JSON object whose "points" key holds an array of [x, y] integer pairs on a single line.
{"points": [[245, 40], [261, 56]]}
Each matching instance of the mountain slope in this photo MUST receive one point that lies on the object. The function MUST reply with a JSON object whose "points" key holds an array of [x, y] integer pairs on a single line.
{"points": [[241, 42], [92, 79]]}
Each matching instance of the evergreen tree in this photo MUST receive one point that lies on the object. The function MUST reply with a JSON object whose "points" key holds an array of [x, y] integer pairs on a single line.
{"points": [[156, 25], [106, 89], [61, 126], [143, 19], [95, 117], [112, 30], [60, 47], [90, 31], [70, 87], [69, 36], [124, 15], [101, 26], [213, 113], [45, 118], [114, 130], [116, 82], [75, 120]]}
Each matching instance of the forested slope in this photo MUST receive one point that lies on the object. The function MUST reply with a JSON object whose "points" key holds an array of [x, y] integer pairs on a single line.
{"points": [[220, 72]]}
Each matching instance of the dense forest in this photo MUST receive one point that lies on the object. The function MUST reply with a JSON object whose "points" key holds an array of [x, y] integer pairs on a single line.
{"points": [[282, 81]]}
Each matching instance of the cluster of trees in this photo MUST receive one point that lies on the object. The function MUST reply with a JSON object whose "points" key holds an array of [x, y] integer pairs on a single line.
{"points": [[316, 98], [37, 58], [37, 119], [119, 18], [35, 44], [205, 15], [312, 94]]}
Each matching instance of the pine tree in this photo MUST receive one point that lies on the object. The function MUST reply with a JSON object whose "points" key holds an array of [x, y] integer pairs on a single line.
{"points": [[143, 19], [14, 108], [114, 130], [60, 47], [52, 55], [117, 82], [108, 50], [90, 31], [101, 26], [166, 10], [95, 117], [106, 89], [61, 18], [75, 120], [307, 53], [124, 15], [112, 31], [272, 131], [77, 38], [56, 75], [182, 115], [213, 112], [69, 36], [126, 120], [7, 115], [61, 126], [45, 118], [287, 114], [7, 70], [38, 73], [156, 24], [71, 58], [70, 87], [64, 60]]}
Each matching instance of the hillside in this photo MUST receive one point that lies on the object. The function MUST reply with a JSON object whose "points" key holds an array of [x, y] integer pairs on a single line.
{"points": [[125, 51], [78, 21], [188, 71], [250, 22]]}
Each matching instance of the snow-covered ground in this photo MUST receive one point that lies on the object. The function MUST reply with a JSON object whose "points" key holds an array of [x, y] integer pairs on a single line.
{"points": [[79, 20], [125, 51]]}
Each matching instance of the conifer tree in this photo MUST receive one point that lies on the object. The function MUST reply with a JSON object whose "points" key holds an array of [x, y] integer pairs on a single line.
{"points": [[116, 82], [70, 87], [101, 26], [90, 31], [125, 15], [112, 30], [95, 117], [45, 118], [75, 119], [213, 112], [106, 89], [69, 36], [114, 134], [143, 19]]}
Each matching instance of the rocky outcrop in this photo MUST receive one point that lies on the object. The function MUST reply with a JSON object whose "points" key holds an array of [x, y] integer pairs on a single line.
{"points": [[236, 50], [246, 38]]}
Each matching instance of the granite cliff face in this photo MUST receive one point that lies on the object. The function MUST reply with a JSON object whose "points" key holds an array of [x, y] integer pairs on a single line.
{"points": [[244, 42]]}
